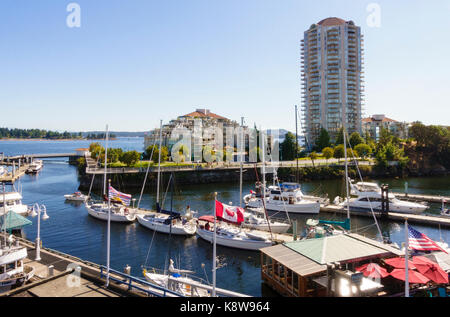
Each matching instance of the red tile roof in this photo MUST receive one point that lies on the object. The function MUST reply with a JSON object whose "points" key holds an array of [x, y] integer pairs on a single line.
{"points": [[331, 22], [385, 119], [199, 114]]}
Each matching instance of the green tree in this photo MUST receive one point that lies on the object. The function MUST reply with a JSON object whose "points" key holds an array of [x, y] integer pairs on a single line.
{"points": [[313, 155], [340, 137], [287, 148], [130, 157], [323, 140], [339, 151], [363, 150], [328, 152], [355, 139], [147, 155]]}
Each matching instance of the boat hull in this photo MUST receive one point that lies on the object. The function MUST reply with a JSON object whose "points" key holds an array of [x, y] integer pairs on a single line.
{"points": [[177, 229], [306, 207], [103, 215], [233, 243]]}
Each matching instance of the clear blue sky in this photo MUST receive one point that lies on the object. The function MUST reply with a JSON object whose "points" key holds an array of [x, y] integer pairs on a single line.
{"points": [[134, 62]]}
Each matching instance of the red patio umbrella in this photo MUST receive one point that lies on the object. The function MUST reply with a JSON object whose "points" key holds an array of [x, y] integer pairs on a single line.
{"points": [[373, 270], [399, 263], [414, 277], [430, 270]]}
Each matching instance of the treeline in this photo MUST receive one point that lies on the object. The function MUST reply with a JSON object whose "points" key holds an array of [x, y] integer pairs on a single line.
{"points": [[99, 136], [37, 134], [425, 144], [387, 148]]}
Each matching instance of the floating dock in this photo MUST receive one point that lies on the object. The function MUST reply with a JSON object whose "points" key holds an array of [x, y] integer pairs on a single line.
{"points": [[420, 197], [430, 220]]}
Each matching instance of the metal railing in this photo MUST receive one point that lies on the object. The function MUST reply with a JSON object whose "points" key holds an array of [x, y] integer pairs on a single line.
{"points": [[128, 280]]}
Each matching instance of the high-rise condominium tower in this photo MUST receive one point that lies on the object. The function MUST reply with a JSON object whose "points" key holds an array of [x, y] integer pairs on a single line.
{"points": [[332, 58]]}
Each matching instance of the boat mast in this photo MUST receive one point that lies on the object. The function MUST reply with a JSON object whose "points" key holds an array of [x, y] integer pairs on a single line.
{"points": [[213, 293], [346, 174], [108, 247], [159, 164], [263, 145], [296, 145], [241, 146], [106, 155], [4, 214]]}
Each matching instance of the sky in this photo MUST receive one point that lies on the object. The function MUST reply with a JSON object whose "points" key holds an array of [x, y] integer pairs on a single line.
{"points": [[132, 63]]}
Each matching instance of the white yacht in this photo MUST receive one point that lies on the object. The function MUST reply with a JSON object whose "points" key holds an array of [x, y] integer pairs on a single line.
{"points": [[258, 221], [288, 198], [77, 196], [180, 281], [119, 213], [13, 272], [162, 223], [369, 196], [13, 201], [35, 166], [232, 236]]}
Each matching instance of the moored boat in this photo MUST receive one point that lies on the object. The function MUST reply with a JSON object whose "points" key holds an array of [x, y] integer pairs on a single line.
{"points": [[119, 213], [77, 196], [231, 236]]}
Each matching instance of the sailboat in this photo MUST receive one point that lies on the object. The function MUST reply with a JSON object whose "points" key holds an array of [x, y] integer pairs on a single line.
{"points": [[117, 212], [164, 221], [228, 230], [224, 228]]}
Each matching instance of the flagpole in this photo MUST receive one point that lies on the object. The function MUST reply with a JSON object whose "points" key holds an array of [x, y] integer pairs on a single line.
{"points": [[214, 250], [108, 251], [406, 259], [159, 163]]}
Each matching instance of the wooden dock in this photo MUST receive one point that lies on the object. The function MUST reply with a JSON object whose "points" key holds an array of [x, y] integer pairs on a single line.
{"points": [[420, 197], [430, 220], [14, 175]]}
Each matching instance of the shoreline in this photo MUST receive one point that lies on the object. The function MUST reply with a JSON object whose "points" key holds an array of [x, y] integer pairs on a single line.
{"points": [[64, 140]]}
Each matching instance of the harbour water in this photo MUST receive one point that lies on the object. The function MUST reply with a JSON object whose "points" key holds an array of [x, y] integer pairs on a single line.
{"points": [[71, 230]]}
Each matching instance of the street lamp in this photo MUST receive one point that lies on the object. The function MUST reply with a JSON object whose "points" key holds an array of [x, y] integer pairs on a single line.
{"points": [[37, 212]]}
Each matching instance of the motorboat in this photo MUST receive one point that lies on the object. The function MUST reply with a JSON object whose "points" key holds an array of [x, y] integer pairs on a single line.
{"points": [[13, 273], [119, 213], [35, 167], [322, 228], [369, 196], [182, 282], [287, 197], [13, 201], [77, 196], [168, 224], [258, 221], [232, 236]]}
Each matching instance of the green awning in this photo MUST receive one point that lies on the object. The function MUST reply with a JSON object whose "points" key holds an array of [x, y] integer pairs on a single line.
{"points": [[13, 221]]}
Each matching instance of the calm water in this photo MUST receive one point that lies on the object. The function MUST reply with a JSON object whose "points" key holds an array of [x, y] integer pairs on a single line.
{"points": [[72, 231]]}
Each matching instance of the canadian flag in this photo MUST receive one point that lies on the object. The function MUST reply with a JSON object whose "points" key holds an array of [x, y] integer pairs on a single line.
{"points": [[252, 192], [229, 213]]}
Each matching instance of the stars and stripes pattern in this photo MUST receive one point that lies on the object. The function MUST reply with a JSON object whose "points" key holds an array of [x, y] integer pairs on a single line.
{"points": [[420, 242], [114, 194]]}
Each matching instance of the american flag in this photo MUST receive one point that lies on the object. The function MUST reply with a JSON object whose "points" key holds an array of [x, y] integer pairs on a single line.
{"points": [[116, 195], [420, 242]]}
